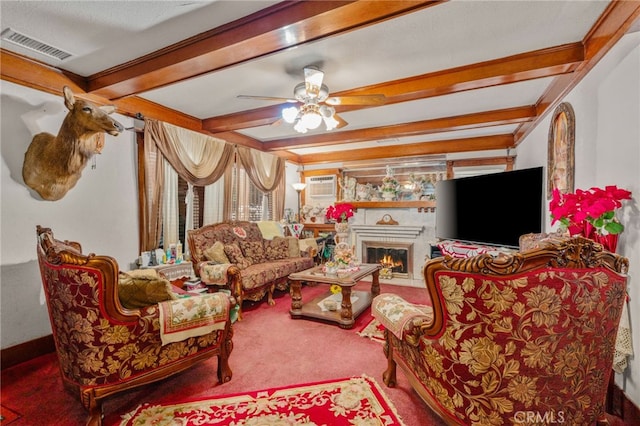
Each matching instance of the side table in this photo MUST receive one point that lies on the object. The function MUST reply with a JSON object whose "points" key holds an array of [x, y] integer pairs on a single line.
{"points": [[176, 273]]}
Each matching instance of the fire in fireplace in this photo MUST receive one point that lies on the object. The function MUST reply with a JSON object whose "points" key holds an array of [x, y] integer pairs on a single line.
{"points": [[396, 256]]}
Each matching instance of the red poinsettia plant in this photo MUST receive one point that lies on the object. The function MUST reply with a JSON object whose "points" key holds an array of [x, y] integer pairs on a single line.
{"points": [[340, 212], [595, 207]]}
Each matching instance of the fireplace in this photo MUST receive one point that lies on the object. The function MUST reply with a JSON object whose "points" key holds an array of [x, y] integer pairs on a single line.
{"points": [[396, 256], [414, 236]]}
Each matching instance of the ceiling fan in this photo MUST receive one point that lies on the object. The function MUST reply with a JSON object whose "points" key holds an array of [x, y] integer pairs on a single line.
{"points": [[317, 104]]}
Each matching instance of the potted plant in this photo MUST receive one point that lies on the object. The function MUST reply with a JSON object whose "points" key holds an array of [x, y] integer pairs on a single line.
{"points": [[340, 214], [591, 213]]}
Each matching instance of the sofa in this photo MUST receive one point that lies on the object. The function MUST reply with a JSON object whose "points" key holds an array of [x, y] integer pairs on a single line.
{"points": [[250, 259], [527, 337], [115, 330]]}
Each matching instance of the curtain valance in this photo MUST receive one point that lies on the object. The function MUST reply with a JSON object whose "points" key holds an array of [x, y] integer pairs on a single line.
{"points": [[201, 160]]}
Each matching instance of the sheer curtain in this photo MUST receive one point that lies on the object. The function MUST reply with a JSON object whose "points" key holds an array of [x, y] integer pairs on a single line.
{"points": [[170, 206], [213, 209]]}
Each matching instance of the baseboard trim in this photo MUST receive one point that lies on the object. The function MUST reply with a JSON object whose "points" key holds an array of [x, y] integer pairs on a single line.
{"points": [[618, 404], [27, 351]]}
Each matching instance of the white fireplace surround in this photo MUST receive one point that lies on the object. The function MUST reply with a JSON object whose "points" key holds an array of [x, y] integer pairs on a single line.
{"points": [[403, 233]]}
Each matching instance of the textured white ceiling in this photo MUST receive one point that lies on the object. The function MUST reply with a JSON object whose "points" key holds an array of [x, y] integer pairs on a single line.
{"points": [[104, 34]]}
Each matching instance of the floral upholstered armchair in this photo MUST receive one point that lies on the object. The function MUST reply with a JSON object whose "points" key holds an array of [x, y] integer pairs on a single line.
{"points": [[104, 348], [522, 338]]}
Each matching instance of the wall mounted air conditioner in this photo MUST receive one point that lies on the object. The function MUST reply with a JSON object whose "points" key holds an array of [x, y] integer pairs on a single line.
{"points": [[321, 186]]}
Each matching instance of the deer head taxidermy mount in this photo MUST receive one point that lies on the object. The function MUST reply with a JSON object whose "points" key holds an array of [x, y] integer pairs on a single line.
{"points": [[53, 164]]}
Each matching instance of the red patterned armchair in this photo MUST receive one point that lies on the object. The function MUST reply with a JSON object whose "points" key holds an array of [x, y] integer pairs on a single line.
{"points": [[526, 338], [104, 348]]}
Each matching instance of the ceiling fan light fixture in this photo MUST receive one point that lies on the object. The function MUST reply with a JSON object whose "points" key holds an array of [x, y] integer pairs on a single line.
{"points": [[290, 114], [313, 80], [299, 127], [311, 119], [327, 113], [330, 122]]}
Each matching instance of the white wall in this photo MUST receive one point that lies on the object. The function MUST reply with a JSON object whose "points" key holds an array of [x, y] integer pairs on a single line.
{"points": [[101, 212], [291, 197], [607, 109]]}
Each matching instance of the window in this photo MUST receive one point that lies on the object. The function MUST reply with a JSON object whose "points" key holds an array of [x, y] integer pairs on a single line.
{"points": [[248, 202], [198, 207]]}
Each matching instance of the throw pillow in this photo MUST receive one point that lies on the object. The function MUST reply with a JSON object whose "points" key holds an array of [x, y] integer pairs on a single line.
{"points": [[270, 229], [235, 255], [253, 251], [276, 249], [216, 254], [294, 247], [143, 287]]}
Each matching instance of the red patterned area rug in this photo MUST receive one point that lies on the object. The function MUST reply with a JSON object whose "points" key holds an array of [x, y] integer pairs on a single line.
{"points": [[354, 401], [7, 415], [373, 330]]}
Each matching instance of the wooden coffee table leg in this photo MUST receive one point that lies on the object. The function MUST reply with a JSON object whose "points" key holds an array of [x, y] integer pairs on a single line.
{"points": [[296, 299], [375, 283], [346, 314]]}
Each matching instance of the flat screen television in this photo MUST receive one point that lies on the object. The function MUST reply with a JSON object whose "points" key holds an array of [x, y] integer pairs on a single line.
{"points": [[493, 209]]}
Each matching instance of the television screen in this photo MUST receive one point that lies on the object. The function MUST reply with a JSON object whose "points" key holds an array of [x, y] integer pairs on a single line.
{"points": [[494, 209]]}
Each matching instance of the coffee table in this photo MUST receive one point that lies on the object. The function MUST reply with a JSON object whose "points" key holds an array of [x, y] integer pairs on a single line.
{"points": [[347, 310]]}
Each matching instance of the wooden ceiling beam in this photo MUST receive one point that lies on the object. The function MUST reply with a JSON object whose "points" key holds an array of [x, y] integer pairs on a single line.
{"points": [[445, 124], [37, 75], [615, 21], [282, 26], [482, 143], [239, 139], [511, 69], [526, 66]]}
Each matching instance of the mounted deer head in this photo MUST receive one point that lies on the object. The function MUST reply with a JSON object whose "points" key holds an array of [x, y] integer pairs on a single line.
{"points": [[53, 164]]}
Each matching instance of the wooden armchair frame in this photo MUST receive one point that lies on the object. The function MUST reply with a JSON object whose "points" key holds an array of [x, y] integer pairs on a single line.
{"points": [[67, 276], [438, 352]]}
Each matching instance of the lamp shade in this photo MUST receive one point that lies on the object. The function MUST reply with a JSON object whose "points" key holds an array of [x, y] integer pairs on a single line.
{"points": [[289, 114], [299, 186], [311, 119]]}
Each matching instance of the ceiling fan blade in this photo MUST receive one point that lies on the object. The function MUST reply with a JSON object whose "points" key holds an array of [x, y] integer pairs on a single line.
{"points": [[356, 100], [267, 98], [340, 120], [313, 81]]}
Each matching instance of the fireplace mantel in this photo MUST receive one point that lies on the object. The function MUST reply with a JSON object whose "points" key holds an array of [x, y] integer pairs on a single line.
{"points": [[397, 231], [421, 205]]}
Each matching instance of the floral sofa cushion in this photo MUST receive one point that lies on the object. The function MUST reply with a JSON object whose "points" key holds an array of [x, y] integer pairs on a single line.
{"points": [[276, 249], [235, 255], [253, 251]]}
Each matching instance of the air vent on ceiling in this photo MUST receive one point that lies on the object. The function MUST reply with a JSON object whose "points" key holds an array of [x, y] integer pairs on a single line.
{"points": [[33, 44]]}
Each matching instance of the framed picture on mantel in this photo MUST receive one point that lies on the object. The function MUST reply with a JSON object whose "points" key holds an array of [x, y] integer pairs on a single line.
{"points": [[561, 151]]}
